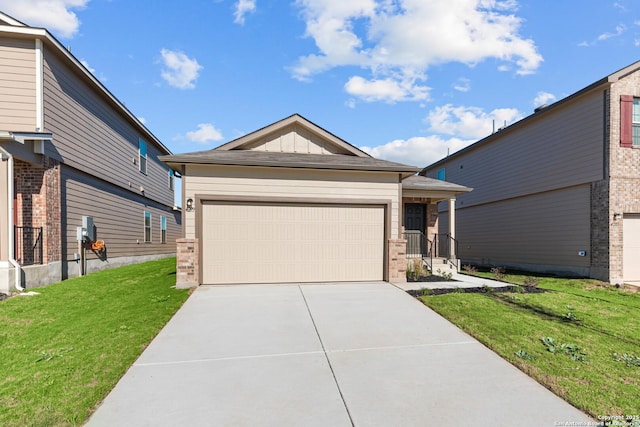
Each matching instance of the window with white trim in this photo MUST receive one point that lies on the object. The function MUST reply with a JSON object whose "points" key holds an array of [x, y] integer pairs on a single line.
{"points": [[147, 227], [163, 229], [171, 180], [635, 122], [441, 174], [142, 156]]}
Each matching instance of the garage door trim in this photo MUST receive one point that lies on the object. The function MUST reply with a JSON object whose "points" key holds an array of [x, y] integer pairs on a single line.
{"points": [[200, 199]]}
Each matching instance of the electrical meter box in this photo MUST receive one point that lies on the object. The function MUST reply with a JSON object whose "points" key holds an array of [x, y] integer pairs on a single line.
{"points": [[87, 225]]}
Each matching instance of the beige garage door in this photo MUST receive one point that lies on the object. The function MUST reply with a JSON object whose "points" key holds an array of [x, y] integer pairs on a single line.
{"points": [[283, 243], [631, 247]]}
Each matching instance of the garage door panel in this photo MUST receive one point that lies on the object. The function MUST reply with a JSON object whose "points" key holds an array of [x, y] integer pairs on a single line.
{"points": [[253, 243]]}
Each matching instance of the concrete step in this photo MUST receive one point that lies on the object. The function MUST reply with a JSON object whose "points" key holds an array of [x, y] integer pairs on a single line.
{"points": [[441, 264]]}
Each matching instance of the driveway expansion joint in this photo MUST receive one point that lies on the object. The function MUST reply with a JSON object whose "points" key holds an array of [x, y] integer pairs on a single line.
{"points": [[335, 379]]}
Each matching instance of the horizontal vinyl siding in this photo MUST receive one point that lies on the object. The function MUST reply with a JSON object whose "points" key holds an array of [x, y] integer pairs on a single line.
{"points": [[17, 85], [548, 228], [117, 214], [92, 136], [561, 149], [287, 183]]}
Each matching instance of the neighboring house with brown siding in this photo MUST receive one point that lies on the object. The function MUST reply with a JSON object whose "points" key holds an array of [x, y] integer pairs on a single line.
{"points": [[558, 191], [72, 152]]}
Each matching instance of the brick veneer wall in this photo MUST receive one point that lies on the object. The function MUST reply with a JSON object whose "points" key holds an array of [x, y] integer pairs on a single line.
{"points": [[187, 259], [623, 173], [38, 203], [397, 260]]}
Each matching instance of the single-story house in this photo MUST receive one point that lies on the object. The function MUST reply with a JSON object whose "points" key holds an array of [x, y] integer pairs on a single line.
{"points": [[292, 202]]}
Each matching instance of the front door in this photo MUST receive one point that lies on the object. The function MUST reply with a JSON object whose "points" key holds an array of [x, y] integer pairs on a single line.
{"points": [[414, 227], [414, 217]]}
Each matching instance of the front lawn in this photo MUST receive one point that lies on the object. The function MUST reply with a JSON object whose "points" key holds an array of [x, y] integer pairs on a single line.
{"points": [[580, 339], [62, 351]]}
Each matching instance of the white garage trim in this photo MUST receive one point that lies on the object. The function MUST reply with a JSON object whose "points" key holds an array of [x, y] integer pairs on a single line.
{"points": [[291, 240], [631, 247]]}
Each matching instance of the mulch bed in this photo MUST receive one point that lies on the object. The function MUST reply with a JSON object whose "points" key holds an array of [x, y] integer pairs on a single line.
{"points": [[430, 278], [477, 290]]}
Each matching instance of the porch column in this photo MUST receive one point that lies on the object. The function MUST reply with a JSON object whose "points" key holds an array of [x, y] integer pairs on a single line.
{"points": [[452, 227]]}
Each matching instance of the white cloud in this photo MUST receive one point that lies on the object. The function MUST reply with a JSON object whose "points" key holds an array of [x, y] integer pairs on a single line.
{"points": [[462, 125], [401, 39], [469, 122], [618, 32], [179, 70], [242, 8], [620, 29], [463, 84], [350, 103], [387, 89], [417, 151], [206, 133], [56, 16], [543, 98]]}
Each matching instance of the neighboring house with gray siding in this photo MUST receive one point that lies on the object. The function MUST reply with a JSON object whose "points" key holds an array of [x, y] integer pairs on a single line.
{"points": [[72, 152], [558, 191]]}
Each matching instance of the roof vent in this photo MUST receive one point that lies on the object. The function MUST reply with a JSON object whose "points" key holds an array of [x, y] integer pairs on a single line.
{"points": [[541, 107]]}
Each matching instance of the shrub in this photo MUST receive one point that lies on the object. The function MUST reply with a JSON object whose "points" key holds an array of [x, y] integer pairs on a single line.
{"points": [[469, 268], [498, 273]]}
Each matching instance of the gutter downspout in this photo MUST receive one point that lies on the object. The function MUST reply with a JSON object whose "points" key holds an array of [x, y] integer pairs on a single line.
{"points": [[16, 266]]}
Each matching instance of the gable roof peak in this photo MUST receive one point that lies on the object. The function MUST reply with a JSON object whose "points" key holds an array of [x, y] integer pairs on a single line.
{"points": [[294, 120]]}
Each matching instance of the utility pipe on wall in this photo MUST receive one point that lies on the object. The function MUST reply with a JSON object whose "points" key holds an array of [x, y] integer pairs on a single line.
{"points": [[16, 266]]}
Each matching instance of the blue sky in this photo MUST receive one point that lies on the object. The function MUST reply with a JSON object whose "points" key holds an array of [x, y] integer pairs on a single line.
{"points": [[407, 80]]}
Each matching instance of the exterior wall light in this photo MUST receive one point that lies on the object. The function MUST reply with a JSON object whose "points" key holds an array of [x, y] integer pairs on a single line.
{"points": [[617, 216], [189, 205]]}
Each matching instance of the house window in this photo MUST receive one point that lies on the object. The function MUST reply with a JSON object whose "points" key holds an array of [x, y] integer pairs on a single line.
{"points": [[441, 174], [147, 227], [163, 229], [635, 120], [142, 156], [171, 179]]}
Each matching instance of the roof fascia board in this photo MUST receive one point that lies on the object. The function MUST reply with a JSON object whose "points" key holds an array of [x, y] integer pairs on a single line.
{"points": [[281, 124], [623, 72], [436, 196], [176, 163], [43, 33], [21, 137], [11, 20], [432, 194]]}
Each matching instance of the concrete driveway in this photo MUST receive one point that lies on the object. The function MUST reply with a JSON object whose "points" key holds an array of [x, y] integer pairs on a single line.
{"points": [[358, 354]]}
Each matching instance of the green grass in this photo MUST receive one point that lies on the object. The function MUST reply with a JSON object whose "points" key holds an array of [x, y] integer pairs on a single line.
{"points": [[62, 351], [593, 321]]}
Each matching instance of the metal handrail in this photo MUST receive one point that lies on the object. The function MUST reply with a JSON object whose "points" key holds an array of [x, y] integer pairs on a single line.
{"points": [[439, 247], [442, 244], [417, 242], [27, 244]]}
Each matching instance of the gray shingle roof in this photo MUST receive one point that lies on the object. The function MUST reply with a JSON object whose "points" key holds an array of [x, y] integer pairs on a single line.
{"points": [[419, 182], [288, 160]]}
